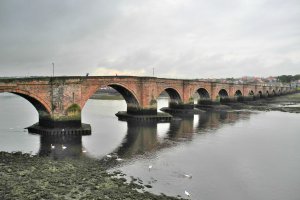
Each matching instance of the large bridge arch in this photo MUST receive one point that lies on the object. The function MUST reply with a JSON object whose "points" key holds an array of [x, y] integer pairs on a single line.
{"points": [[43, 109], [238, 93], [133, 103], [175, 97], [34, 99], [203, 93], [204, 96], [223, 95]]}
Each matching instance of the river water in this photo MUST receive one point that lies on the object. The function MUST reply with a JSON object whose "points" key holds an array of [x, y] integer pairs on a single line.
{"points": [[229, 155]]}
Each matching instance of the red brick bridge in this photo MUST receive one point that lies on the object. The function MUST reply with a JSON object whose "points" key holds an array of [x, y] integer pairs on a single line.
{"points": [[59, 100]]}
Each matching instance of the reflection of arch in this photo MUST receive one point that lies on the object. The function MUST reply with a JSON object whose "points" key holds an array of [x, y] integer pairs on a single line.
{"points": [[72, 142], [140, 138], [238, 93], [203, 93]]}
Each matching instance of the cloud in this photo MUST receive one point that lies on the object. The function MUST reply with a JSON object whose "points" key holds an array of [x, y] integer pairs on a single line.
{"points": [[113, 72], [179, 38]]}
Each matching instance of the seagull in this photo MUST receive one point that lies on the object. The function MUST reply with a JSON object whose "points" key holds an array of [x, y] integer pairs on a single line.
{"points": [[63, 147], [83, 151], [109, 156], [188, 175], [150, 167], [52, 146], [187, 193], [119, 159]]}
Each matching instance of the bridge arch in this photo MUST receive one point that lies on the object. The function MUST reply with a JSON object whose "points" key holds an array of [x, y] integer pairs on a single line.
{"points": [[273, 92], [251, 93], [39, 104], [267, 93], [43, 109], [130, 97], [175, 98], [203, 93], [238, 93], [223, 95], [174, 95], [260, 94], [203, 96]]}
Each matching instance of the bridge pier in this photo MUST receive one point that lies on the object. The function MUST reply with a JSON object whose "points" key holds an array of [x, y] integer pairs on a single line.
{"points": [[181, 109], [144, 116]]}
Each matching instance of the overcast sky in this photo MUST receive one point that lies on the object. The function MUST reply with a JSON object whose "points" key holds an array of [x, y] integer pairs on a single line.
{"points": [[179, 38]]}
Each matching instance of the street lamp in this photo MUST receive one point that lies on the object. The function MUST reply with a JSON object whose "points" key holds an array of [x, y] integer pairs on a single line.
{"points": [[53, 69]]}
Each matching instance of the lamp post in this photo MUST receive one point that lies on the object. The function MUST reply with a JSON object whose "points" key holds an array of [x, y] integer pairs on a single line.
{"points": [[53, 69]]}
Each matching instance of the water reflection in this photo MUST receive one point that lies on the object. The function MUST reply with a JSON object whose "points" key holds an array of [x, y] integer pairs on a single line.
{"points": [[59, 147], [143, 138]]}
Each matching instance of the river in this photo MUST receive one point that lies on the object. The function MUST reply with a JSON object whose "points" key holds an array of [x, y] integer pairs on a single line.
{"points": [[229, 155]]}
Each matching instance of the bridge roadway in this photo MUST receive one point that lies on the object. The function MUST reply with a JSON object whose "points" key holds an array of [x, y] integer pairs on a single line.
{"points": [[59, 100]]}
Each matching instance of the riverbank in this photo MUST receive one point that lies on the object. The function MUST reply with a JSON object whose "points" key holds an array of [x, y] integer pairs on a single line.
{"points": [[286, 103], [107, 96], [23, 176]]}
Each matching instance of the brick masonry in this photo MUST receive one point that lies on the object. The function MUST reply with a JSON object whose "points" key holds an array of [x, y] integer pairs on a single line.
{"points": [[61, 99]]}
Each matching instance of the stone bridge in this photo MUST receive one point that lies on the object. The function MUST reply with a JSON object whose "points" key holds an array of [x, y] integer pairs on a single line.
{"points": [[59, 100]]}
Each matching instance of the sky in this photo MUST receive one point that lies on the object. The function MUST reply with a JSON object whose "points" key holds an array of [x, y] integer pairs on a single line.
{"points": [[173, 38]]}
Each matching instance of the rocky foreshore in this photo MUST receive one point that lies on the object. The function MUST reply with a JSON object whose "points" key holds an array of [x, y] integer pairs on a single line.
{"points": [[287, 103], [24, 176]]}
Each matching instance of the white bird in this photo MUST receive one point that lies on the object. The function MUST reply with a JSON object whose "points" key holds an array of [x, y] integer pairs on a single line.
{"points": [[52, 146], [188, 175], [187, 193], [83, 151], [63, 130], [109, 156], [63, 147], [119, 159], [150, 167]]}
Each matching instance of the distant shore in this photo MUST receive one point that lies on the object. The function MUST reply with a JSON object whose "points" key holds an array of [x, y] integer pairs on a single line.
{"points": [[107, 96], [285, 103]]}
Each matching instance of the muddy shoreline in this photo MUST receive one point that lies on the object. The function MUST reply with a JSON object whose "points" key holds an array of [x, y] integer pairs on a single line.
{"points": [[24, 176], [287, 103]]}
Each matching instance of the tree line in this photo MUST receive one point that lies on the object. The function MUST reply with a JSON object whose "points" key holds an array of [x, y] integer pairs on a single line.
{"points": [[288, 78]]}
